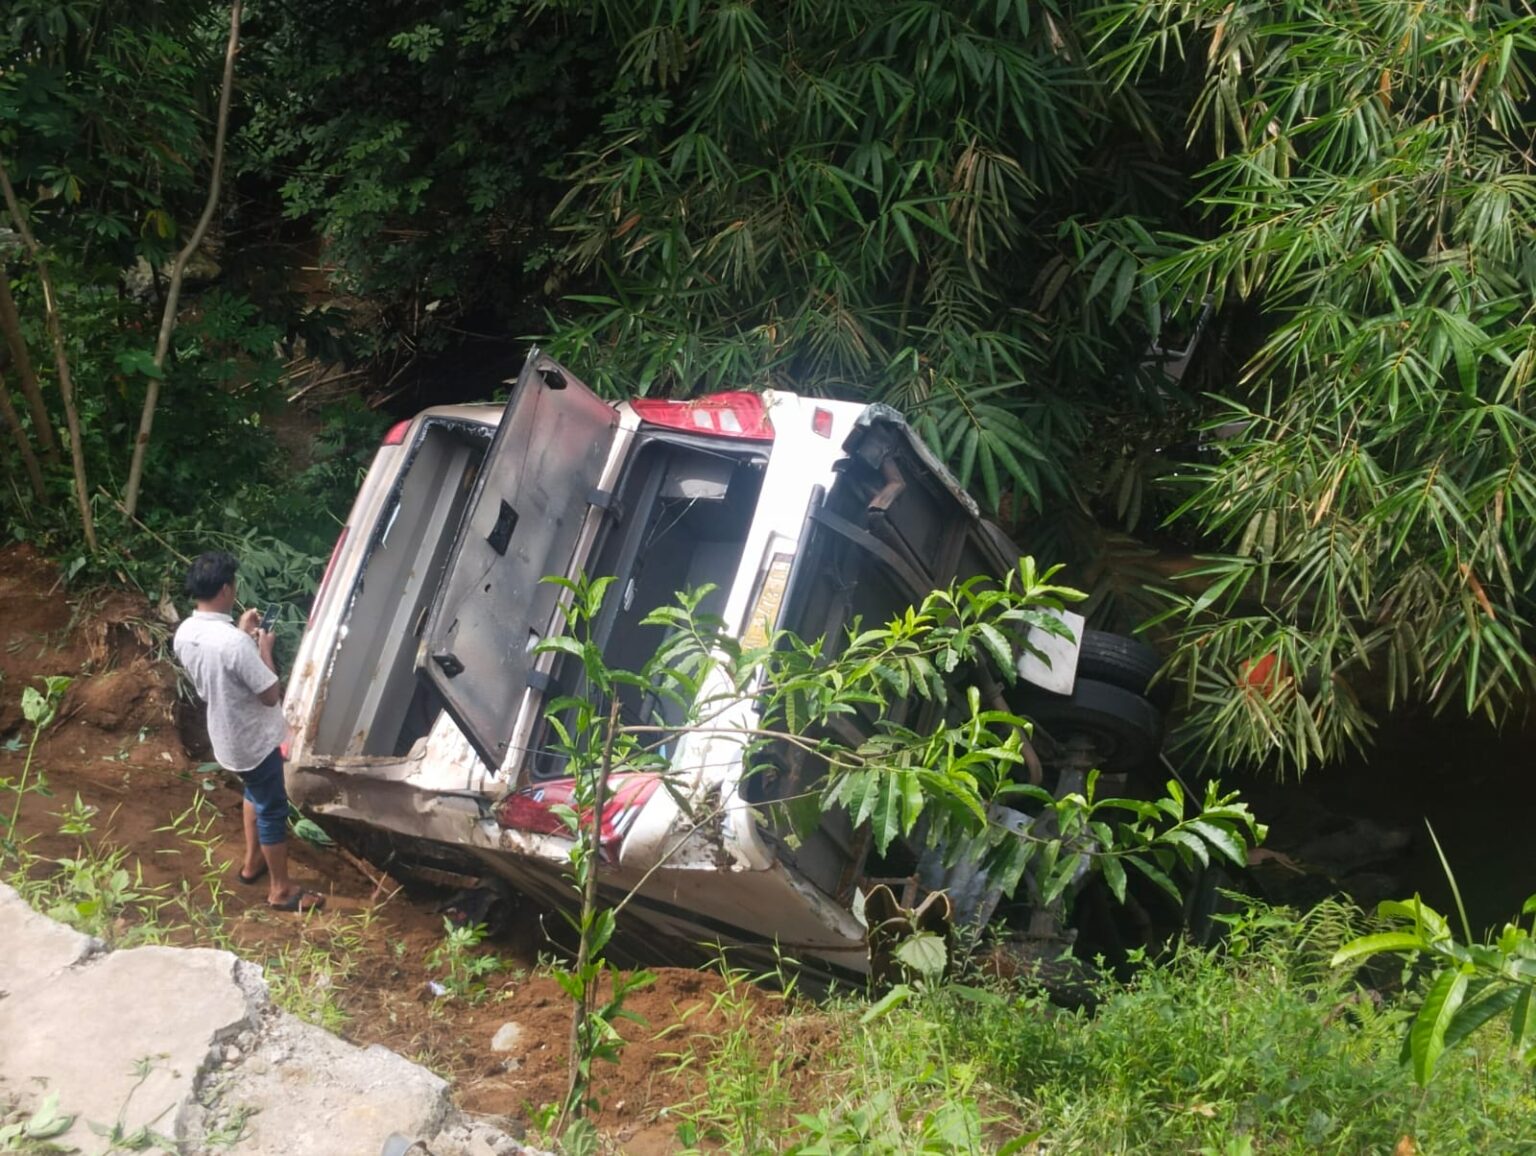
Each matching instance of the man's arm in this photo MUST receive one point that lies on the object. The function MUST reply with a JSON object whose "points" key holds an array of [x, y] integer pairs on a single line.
{"points": [[265, 641]]}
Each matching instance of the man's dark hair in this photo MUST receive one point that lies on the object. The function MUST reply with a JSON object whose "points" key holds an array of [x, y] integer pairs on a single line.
{"points": [[209, 572]]}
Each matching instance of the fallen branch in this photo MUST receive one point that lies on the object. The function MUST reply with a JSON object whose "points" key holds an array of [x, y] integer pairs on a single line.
{"points": [[378, 880], [122, 509]]}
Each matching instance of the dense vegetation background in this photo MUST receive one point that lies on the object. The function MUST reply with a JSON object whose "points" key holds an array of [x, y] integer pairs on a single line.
{"points": [[1009, 219], [1225, 303]]}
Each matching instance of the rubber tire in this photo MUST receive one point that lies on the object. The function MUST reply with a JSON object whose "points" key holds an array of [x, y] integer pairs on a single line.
{"points": [[1125, 728], [1123, 661]]}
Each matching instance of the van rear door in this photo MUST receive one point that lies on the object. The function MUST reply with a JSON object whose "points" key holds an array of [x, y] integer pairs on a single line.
{"points": [[525, 515]]}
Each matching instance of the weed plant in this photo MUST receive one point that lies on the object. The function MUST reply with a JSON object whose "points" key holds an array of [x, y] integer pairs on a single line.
{"points": [[779, 1075], [741, 1070], [462, 967], [308, 973]]}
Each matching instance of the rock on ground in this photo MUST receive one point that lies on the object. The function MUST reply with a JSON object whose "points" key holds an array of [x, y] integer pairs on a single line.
{"points": [[186, 1044]]}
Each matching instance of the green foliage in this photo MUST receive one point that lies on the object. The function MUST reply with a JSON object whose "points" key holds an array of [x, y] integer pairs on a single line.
{"points": [[310, 970], [740, 1071], [98, 889], [209, 449], [103, 132], [949, 778], [1257, 1045], [102, 113], [595, 747], [1003, 219], [462, 966], [1470, 985], [39, 708], [1004, 226], [908, 202], [750, 1098], [1256, 1040], [416, 139], [215, 476], [31, 1133], [104, 129], [943, 782], [1368, 205]]}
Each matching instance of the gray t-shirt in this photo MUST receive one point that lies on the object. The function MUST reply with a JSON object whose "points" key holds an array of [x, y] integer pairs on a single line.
{"points": [[228, 673]]}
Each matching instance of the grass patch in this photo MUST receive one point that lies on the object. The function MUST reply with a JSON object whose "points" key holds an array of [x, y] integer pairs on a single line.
{"points": [[1258, 1046]]}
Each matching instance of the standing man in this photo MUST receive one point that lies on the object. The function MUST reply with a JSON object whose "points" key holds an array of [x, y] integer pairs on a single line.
{"points": [[234, 672]]}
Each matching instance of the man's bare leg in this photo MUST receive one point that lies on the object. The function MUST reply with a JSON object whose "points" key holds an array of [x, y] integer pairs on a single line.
{"points": [[281, 889], [253, 857]]}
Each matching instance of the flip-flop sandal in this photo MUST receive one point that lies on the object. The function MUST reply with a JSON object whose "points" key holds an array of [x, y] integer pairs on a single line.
{"points": [[295, 902], [248, 880]]}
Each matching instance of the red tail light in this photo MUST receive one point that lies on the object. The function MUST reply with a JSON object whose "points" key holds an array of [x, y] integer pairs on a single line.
{"points": [[326, 577], [821, 422], [731, 415], [396, 433]]}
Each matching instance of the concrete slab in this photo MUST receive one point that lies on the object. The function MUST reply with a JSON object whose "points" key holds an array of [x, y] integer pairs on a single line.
{"points": [[123, 1038], [34, 948], [304, 1088], [186, 1042]]}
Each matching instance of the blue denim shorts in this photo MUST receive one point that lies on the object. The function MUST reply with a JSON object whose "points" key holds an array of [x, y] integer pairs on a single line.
{"points": [[265, 790]]}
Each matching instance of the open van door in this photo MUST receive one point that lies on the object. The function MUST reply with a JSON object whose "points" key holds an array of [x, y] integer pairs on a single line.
{"points": [[525, 515]]}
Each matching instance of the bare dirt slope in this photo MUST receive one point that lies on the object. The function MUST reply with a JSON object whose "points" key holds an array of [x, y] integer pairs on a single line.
{"points": [[127, 745]]}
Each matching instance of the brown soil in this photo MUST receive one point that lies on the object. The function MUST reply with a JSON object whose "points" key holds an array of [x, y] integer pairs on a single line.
{"points": [[121, 744]]}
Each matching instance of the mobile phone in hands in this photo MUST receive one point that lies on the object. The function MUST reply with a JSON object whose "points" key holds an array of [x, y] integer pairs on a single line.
{"points": [[269, 618]]}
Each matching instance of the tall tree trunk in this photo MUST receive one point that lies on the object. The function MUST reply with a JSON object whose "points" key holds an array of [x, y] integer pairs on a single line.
{"points": [[23, 446], [60, 358], [178, 270], [10, 325]]}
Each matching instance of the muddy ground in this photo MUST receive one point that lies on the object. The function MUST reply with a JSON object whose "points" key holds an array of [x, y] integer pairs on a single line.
{"points": [[127, 743]]}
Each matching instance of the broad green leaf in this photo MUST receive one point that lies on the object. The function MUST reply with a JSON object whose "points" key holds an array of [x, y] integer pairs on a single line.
{"points": [[923, 953], [34, 707], [1189, 841], [1020, 1144], [1155, 873], [891, 1000], [1376, 944], [139, 361], [1427, 1036], [1061, 876], [1417, 912], [1114, 876], [992, 638], [46, 1121], [1492, 1001], [1222, 839], [1522, 1022]]}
